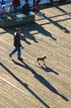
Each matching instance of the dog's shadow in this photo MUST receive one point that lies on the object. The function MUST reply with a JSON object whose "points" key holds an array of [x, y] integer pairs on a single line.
{"points": [[47, 69]]}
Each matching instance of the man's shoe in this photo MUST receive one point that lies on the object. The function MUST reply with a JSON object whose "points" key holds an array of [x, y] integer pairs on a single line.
{"points": [[10, 55], [21, 59]]}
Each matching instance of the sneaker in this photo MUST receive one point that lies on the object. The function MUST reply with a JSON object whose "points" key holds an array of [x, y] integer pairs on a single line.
{"points": [[21, 59], [10, 55]]}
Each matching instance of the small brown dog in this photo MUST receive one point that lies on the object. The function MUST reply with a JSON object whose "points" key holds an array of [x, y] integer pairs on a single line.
{"points": [[42, 59]]}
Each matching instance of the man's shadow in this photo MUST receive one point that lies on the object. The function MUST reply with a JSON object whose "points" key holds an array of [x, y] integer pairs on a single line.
{"points": [[25, 85], [40, 79]]}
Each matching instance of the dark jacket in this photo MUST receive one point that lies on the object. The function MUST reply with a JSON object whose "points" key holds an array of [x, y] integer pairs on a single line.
{"points": [[17, 42]]}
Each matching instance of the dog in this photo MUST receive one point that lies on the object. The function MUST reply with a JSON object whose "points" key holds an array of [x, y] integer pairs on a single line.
{"points": [[41, 59]]}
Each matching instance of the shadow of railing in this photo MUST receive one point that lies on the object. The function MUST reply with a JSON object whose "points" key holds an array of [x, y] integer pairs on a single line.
{"points": [[56, 23], [60, 15], [62, 10], [24, 84], [40, 79]]}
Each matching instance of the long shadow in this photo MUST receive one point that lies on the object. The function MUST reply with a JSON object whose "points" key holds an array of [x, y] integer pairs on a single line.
{"points": [[25, 40], [62, 10], [68, 13], [59, 8], [40, 29], [41, 79], [12, 30], [56, 24], [26, 32], [58, 21], [47, 69], [24, 84], [42, 17]]}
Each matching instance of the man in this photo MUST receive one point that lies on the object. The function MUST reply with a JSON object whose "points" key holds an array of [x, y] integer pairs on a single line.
{"points": [[36, 8], [17, 44], [16, 3], [26, 8]]}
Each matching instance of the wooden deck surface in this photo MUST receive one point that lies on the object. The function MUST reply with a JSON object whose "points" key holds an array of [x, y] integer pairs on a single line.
{"points": [[26, 85]]}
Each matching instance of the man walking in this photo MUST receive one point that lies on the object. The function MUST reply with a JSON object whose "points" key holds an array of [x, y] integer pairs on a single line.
{"points": [[17, 44]]}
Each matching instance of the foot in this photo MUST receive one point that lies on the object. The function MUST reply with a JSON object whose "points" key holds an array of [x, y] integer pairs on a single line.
{"points": [[21, 59], [10, 55]]}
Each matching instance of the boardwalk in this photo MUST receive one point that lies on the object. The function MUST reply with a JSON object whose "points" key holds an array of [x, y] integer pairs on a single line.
{"points": [[26, 85]]}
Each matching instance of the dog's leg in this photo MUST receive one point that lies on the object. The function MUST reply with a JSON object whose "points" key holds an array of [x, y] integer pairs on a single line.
{"points": [[38, 62], [44, 62]]}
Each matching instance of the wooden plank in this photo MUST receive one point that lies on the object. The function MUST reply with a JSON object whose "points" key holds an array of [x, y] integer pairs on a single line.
{"points": [[26, 85]]}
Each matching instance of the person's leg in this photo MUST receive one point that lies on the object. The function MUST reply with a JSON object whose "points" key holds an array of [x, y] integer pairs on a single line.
{"points": [[19, 52], [15, 49]]}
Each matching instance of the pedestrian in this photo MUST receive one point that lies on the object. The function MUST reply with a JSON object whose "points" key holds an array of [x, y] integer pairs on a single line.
{"points": [[37, 3], [26, 8], [36, 9], [16, 4], [17, 44]]}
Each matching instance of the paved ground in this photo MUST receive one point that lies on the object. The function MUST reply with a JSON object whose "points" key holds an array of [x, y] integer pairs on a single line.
{"points": [[26, 85]]}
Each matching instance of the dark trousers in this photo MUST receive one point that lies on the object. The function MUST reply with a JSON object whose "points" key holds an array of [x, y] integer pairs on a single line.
{"points": [[18, 50]]}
